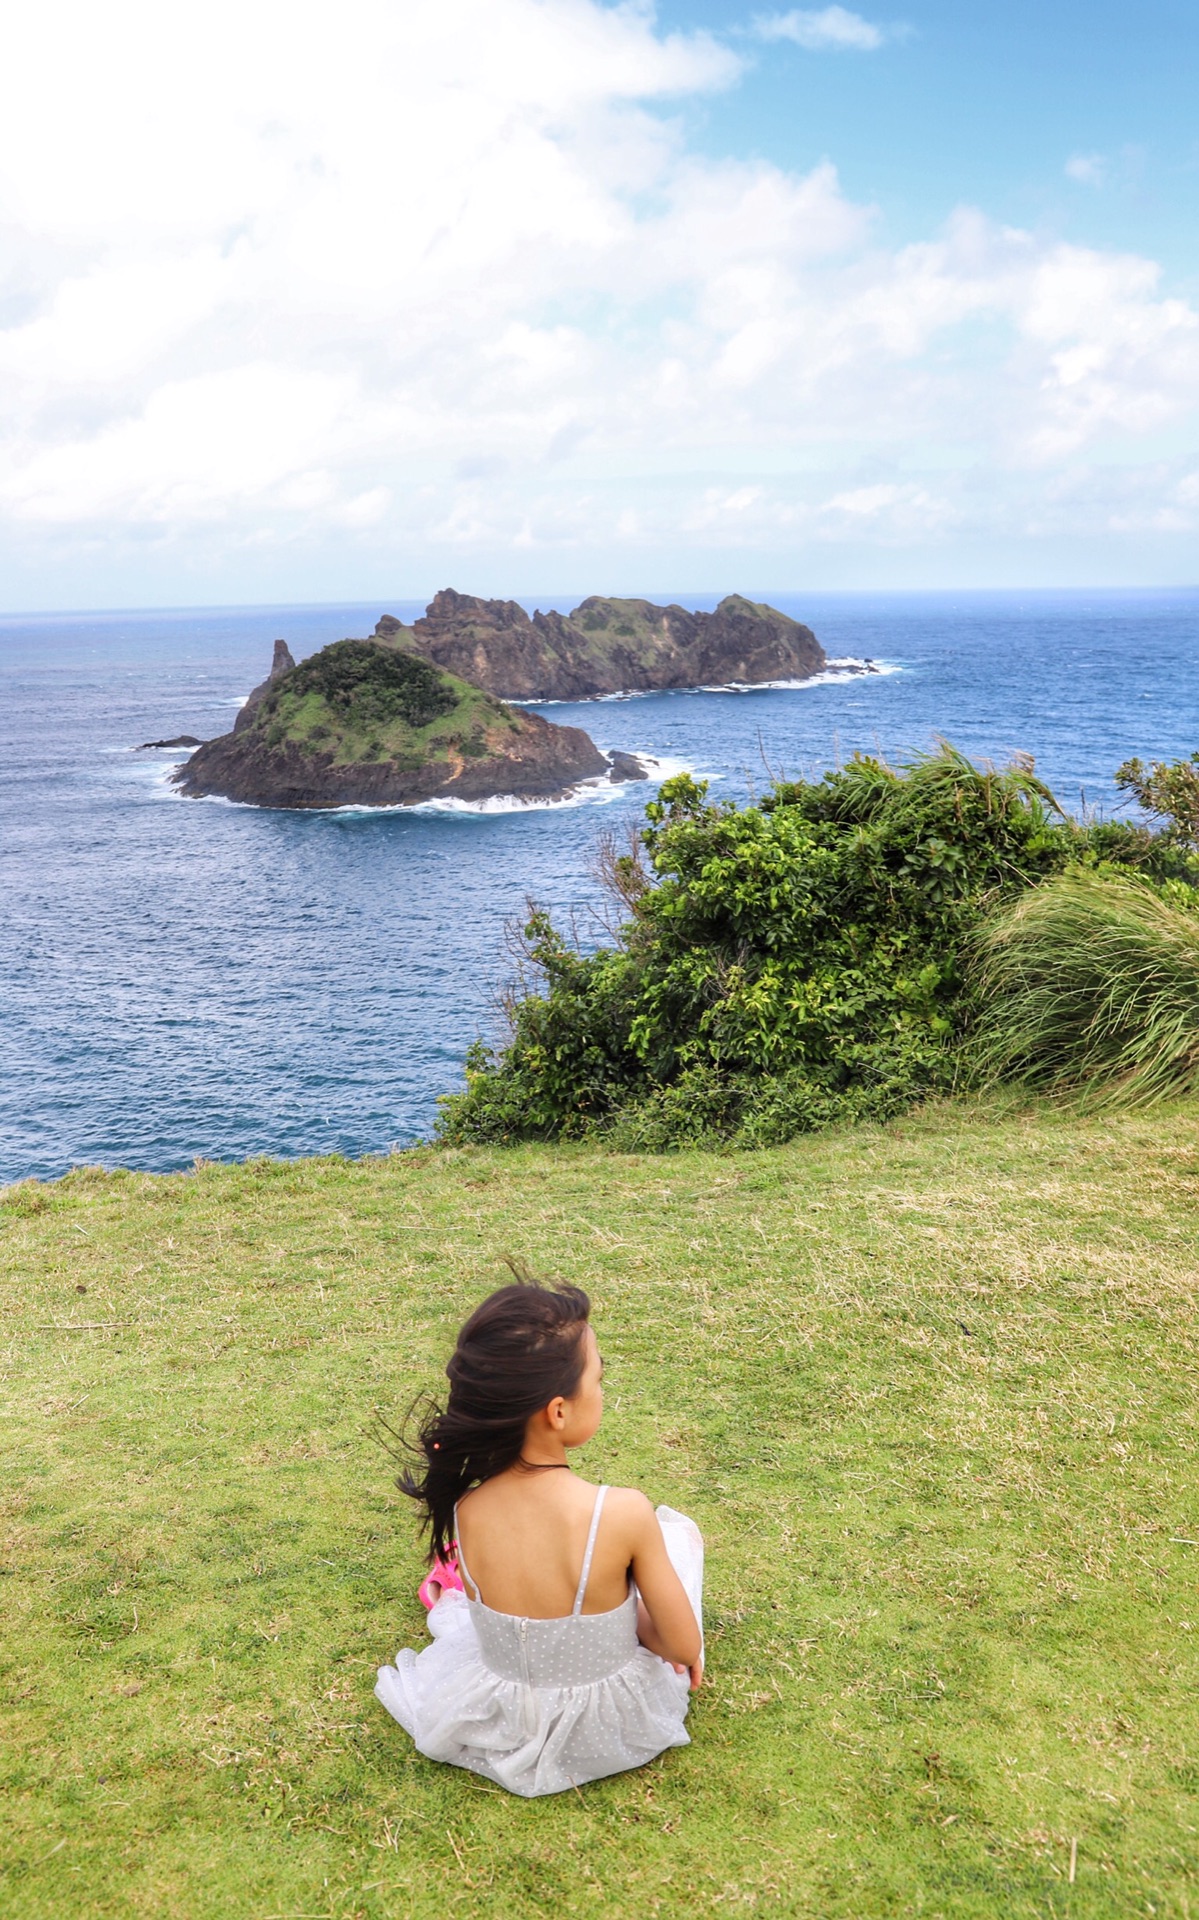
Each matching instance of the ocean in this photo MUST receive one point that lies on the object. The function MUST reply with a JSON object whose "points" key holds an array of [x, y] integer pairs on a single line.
{"points": [[183, 978]]}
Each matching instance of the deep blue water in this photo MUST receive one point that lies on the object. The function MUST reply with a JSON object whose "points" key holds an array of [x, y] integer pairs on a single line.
{"points": [[182, 978]]}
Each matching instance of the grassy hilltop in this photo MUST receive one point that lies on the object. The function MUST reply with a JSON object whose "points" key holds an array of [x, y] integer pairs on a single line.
{"points": [[929, 1389], [353, 701]]}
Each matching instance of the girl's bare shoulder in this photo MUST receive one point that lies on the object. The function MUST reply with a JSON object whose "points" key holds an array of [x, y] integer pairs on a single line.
{"points": [[631, 1498], [627, 1512], [628, 1509]]}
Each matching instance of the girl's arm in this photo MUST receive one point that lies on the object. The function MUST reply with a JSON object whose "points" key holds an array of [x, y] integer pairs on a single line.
{"points": [[666, 1623]]}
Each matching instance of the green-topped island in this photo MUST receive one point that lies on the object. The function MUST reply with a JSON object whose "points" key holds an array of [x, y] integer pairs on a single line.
{"points": [[363, 724]]}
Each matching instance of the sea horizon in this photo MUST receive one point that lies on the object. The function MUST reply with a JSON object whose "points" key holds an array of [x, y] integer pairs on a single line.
{"points": [[697, 596]]}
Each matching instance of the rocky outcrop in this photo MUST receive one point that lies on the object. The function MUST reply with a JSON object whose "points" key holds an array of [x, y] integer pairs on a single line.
{"points": [[606, 646], [364, 724], [281, 663]]}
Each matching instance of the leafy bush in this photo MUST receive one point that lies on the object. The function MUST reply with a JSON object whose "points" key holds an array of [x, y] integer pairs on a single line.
{"points": [[1091, 988], [784, 966], [1126, 844], [368, 685], [1170, 790]]}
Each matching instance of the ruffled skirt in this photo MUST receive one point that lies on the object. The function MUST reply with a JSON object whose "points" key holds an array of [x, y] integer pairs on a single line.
{"points": [[537, 1739]]}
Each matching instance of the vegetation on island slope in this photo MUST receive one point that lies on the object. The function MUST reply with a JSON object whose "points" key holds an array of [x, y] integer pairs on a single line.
{"points": [[355, 701], [928, 1390], [808, 961], [361, 722]]}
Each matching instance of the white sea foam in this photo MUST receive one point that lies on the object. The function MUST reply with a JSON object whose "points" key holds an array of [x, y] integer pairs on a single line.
{"points": [[861, 663], [150, 767], [835, 673], [146, 768], [599, 791], [141, 756]]}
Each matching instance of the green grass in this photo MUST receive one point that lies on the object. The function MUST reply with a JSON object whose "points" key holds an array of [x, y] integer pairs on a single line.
{"points": [[930, 1391]]}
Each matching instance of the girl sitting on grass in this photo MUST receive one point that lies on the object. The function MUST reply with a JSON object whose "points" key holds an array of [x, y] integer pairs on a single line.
{"points": [[565, 1617]]}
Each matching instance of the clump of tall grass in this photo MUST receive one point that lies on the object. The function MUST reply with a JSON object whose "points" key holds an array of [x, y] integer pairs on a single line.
{"points": [[1090, 988]]}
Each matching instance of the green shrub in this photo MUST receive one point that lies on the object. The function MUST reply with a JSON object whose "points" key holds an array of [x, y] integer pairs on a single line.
{"points": [[368, 685], [1127, 843], [1091, 988], [1169, 789], [785, 966]]}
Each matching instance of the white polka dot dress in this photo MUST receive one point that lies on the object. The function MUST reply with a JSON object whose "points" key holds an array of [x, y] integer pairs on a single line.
{"points": [[543, 1705]]}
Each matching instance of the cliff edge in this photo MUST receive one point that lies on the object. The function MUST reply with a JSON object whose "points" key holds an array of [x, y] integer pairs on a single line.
{"points": [[606, 646]]}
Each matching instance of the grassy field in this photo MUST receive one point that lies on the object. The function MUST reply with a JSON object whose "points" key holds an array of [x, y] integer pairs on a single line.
{"points": [[929, 1390]]}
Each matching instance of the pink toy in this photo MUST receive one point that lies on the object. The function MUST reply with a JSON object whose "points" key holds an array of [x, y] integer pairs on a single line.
{"points": [[443, 1577]]}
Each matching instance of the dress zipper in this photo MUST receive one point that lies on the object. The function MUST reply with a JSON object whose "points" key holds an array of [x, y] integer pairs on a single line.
{"points": [[530, 1702]]}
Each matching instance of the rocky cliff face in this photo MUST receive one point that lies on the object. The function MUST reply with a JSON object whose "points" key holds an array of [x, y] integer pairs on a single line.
{"points": [[281, 663], [364, 724], [606, 646]]}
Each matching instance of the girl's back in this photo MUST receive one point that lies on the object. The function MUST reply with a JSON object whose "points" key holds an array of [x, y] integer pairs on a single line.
{"points": [[564, 1616], [524, 1535]]}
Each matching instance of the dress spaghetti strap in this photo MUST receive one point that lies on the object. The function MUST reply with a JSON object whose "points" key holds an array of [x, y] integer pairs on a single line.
{"points": [[463, 1569], [595, 1520], [598, 1508]]}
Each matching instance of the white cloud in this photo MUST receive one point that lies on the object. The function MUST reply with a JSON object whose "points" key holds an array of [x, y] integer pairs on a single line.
{"points": [[447, 279], [821, 30], [1087, 169]]}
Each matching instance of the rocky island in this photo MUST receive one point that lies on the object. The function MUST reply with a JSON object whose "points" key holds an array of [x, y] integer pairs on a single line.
{"points": [[365, 723], [606, 646], [419, 712]]}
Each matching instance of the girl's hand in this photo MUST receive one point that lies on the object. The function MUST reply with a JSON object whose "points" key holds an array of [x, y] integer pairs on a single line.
{"points": [[647, 1637]]}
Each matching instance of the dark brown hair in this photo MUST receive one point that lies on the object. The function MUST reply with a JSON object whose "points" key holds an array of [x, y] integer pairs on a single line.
{"points": [[520, 1349]]}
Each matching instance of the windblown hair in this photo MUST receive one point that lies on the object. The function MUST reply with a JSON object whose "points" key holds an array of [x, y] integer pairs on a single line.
{"points": [[520, 1349]]}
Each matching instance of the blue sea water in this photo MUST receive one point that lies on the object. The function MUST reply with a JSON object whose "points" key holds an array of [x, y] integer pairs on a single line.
{"points": [[183, 978]]}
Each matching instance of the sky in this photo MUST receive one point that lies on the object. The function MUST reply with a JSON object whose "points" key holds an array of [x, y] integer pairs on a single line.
{"points": [[556, 297]]}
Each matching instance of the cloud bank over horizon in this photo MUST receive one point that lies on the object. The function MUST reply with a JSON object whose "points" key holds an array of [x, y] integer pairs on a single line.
{"points": [[452, 287]]}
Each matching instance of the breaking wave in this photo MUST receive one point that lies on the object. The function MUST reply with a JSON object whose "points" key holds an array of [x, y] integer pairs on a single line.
{"points": [[834, 673], [598, 791]]}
